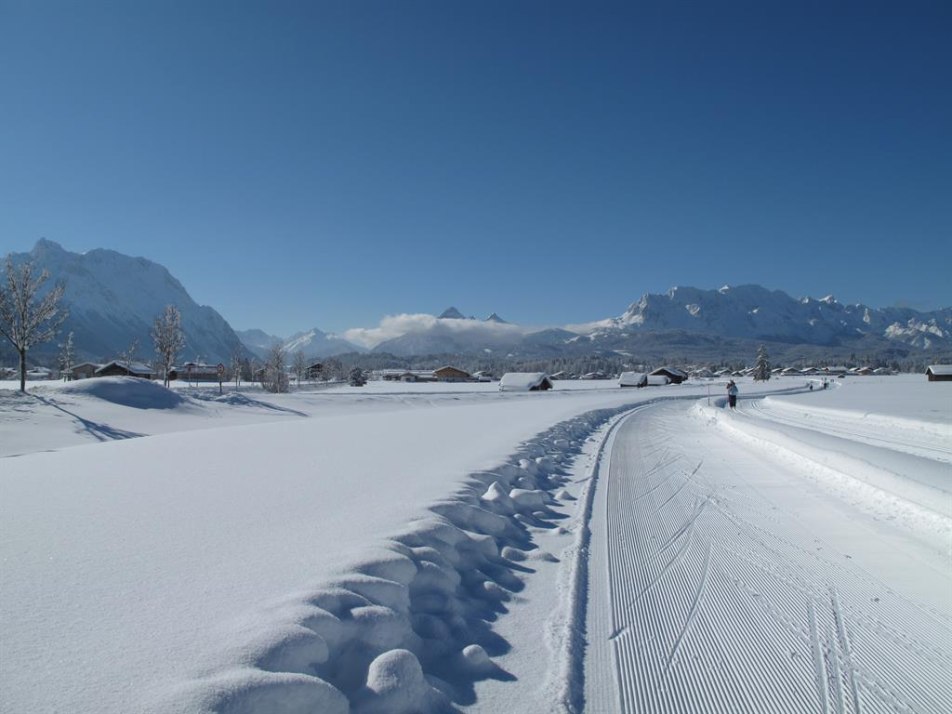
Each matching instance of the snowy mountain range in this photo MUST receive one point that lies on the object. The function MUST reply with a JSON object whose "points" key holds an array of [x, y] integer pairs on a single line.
{"points": [[113, 299], [312, 343]]}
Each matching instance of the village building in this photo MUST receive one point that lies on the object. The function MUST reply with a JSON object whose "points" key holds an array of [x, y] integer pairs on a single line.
{"points": [[403, 375], [124, 369], [939, 372], [482, 376], [633, 379], [314, 371], [451, 374], [525, 382], [84, 370], [674, 375], [195, 372]]}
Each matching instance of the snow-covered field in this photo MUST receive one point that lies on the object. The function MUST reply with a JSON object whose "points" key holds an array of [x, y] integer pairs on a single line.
{"points": [[435, 548]]}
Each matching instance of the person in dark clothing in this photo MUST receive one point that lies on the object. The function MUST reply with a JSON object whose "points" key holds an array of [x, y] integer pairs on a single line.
{"points": [[732, 394]]}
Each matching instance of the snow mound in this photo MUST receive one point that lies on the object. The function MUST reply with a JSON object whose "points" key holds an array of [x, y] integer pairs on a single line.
{"points": [[127, 392]]}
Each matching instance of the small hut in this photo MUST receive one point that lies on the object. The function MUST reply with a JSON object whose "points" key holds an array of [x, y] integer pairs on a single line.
{"points": [[525, 382]]}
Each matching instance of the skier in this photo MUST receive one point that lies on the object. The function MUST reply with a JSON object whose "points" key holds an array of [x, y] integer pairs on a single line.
{"points": [[732, 394]]}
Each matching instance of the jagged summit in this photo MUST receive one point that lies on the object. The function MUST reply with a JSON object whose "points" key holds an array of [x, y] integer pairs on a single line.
{"points": [[495, 318], [451, 313]]}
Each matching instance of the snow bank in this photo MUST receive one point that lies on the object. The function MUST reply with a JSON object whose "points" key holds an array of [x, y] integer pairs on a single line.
{"points": [[127, 392]]}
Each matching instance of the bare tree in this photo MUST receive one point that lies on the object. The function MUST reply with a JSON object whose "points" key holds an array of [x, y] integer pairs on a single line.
{"points": [[299, 365], [275, 378], [25, 318], [236, 364], [168, 338], [66, 357], [131, 355]]}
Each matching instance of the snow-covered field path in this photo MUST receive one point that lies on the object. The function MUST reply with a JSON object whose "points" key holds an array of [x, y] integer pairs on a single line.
{"points": [[724, 580]]}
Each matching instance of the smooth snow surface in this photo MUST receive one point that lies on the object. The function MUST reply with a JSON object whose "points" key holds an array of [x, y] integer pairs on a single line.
{"points": [[430, 548]]}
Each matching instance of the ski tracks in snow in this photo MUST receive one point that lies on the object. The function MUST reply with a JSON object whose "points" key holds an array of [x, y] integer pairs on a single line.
{"points": [[709, 595]]}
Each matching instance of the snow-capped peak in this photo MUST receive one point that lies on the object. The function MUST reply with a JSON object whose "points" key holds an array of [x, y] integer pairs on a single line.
{"points": [[495, 318]]}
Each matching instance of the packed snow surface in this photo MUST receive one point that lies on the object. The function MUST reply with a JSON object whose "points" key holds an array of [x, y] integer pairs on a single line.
{"points": [[433, 548]]}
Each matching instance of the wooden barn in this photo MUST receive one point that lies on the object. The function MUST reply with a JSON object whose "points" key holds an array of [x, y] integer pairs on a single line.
{"points": [[633, 379], [451, 374], [674, 375], [525, 382], [939, 372], [84, 370], [124, 369]]}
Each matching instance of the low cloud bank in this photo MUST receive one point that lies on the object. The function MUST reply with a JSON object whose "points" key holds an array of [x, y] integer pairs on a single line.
{"points": [[393, 326]]}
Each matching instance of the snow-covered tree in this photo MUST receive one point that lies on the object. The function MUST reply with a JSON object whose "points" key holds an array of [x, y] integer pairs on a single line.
{"points": [[236, 364], [26, 319], [357, 378], [299, 365], [762, 368], [131, 355], [66, 357], [275, 377], [169, 339]]}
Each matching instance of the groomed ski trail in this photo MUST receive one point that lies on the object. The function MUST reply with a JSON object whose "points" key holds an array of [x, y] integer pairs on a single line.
{"points": [[712, 590]]}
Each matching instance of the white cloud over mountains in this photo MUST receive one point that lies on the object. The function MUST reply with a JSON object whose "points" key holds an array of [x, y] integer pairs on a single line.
{"points": [[392, 326]]}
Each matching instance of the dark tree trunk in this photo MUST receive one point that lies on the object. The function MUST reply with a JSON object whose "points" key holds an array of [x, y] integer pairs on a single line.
{"points": [[22, 353]]}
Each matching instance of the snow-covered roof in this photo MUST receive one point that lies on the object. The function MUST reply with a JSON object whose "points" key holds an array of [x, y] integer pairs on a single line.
{"points": [[671, 370], [943, 369], [522, 381], [632, 379], [131, 367]]}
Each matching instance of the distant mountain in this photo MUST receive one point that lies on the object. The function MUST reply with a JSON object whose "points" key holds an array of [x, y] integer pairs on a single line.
{"points": [[451, 313], [113, 299], [311, 343], [258, 342], [706, 324], [753, 312], [315, 343]]}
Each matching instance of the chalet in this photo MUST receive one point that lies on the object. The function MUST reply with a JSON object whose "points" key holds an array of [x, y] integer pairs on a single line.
{"points": [[8, 372], [702, 373], [633, 379], [195, 372], [939, 372], [84, 370], [451, 374], [314, 371], [864, 371], [790, 372], [124, 369], [37, 374], [482, 376], [525, 382], [674, 375]]}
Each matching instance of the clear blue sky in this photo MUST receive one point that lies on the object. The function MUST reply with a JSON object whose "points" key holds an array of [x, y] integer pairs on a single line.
{"points": [[301, 164]]}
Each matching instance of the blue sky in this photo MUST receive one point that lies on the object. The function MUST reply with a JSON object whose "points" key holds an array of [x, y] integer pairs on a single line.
{"points": [[301, 164]]}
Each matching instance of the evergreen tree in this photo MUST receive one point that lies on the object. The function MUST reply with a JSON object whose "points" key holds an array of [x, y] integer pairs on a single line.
{"points": [[762, 368], [357, 378]]}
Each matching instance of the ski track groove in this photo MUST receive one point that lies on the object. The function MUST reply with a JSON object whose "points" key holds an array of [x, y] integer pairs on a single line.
{"points": [[732, 620]]}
